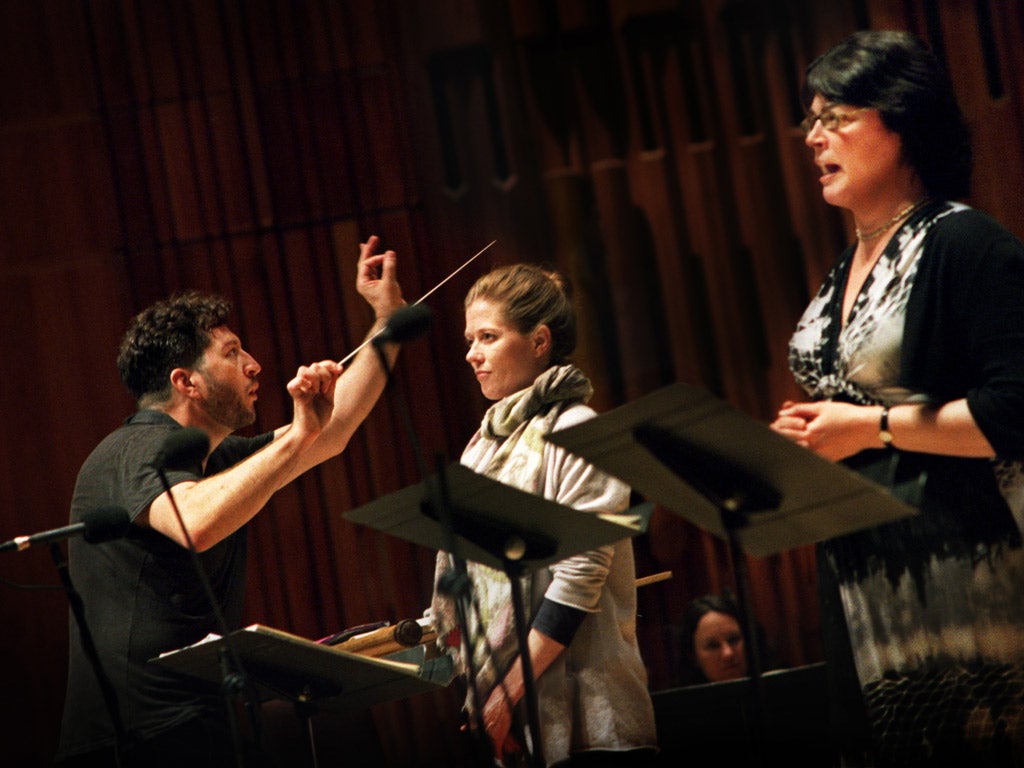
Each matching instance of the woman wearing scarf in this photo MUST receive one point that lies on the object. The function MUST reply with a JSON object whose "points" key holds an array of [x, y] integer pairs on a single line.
{"points": [[591, 685]]}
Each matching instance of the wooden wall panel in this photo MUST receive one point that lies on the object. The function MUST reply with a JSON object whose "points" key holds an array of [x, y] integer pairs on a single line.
{"points": [[985, 64], [648, 148]]}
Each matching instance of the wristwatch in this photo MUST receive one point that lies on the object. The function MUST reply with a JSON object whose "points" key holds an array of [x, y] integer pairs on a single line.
{"points": [[883, 428]]}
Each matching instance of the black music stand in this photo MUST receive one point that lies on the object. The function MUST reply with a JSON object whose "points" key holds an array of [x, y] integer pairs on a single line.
{"points": [[501, 526], [731, 476], [308, 674], [494, 521]]}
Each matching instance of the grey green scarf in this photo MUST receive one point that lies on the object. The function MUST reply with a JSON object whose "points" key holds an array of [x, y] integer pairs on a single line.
{"points": [[519, 423]]}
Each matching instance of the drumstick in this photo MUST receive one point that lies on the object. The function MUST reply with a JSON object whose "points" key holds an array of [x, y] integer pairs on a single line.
{"points": [[389, 639], [352, 354], [654, 578]]}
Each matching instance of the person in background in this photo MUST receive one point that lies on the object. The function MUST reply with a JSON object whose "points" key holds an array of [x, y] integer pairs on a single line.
{"points": [[143, 594], [713, 643], [594, 706], [912, 358]]}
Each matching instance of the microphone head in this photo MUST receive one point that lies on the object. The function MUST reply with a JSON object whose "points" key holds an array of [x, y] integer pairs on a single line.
{"points": [[406, 324], [408, 632], [183, 449], [105, 524]]}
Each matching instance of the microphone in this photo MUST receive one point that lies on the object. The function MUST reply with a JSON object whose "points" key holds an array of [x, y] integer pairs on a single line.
{"points": [[183, 449], [97, 525], [405, 324]]}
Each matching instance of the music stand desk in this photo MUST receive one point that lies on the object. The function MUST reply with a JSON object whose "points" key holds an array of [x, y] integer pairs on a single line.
{"points": [[712, 721], [282, 665], [734, 477], [476, 518], [488, 515], [817, 499]]}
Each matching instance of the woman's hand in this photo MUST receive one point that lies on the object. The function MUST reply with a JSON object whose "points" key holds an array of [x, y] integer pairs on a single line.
{"points": [[497, 710], [498, 722], [837, 430], [832, 430]]}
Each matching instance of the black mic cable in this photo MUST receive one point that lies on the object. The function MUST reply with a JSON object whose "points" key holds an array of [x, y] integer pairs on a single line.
{"points": [[185, 449], [408, 323]]}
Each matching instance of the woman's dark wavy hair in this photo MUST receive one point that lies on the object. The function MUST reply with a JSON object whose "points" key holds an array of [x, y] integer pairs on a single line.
{"points": [[895, 73], [170, 334]]}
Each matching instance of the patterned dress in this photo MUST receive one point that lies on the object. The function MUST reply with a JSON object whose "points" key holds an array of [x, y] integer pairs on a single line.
{"points": [[930, 608]]}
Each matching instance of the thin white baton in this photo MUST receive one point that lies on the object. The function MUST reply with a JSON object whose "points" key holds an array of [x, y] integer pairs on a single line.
{"points": [[352, 354]]}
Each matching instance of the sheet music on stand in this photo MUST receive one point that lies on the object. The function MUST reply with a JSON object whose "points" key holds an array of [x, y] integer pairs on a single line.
{"points": [[680, 444], [283, 665]]}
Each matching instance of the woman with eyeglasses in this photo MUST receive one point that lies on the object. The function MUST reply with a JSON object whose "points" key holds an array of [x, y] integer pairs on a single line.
{"points": [[912, 357]]}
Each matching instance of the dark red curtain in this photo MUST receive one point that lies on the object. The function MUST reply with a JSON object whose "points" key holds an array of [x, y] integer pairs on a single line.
{"points": [[651, 150]]}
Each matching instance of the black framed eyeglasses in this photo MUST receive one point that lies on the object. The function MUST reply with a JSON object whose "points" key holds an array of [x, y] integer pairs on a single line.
{"points": [[832, 118]]}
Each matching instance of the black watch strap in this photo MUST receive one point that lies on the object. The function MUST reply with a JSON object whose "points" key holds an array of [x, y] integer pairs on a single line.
{"points": [[883, 427]]}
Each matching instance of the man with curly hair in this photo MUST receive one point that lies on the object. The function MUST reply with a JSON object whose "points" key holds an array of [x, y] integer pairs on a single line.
{"points": [[186, 368]]}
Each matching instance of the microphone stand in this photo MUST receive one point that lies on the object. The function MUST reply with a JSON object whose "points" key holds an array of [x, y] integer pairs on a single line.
{"points": [[234, 682], [89, 647], [737, 494], [457, 584]]}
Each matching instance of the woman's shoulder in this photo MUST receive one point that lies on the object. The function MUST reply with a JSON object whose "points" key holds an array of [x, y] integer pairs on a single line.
{"points": [[964, 239], [960, 223], [573, 414]]}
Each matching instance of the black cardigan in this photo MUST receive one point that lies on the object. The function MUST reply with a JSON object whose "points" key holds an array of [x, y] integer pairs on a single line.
{"points": [[964, 332]]}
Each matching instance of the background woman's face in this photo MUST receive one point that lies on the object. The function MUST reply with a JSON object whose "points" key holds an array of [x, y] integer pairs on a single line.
{"points": [[503, 359], [718, 646]]}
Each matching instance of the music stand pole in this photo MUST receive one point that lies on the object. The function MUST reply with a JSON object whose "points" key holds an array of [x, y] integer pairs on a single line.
{"points": [[458, 587], [304, 710], [536, 750], [736, 493], [733, 520]]}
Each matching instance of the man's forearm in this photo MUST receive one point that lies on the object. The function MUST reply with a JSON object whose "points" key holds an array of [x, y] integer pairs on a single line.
{"points": [[217, 506]]}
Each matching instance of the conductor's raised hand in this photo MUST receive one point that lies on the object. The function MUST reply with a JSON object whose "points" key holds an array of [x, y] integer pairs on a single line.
{"points": [[312, 393], [377, 278]]}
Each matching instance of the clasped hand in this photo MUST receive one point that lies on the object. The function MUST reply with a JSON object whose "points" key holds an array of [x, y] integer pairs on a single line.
{"points": [[830, 429], [312, 393]]}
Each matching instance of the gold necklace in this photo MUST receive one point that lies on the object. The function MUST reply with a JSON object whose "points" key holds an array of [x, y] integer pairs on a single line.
{"points": [[862, 236]]}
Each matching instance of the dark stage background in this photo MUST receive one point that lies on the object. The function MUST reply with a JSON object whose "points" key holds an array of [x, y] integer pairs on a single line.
{"points": [[648, 147]]}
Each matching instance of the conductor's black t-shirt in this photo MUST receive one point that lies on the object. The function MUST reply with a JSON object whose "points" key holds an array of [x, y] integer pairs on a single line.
{"points": [[142, 595]]}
